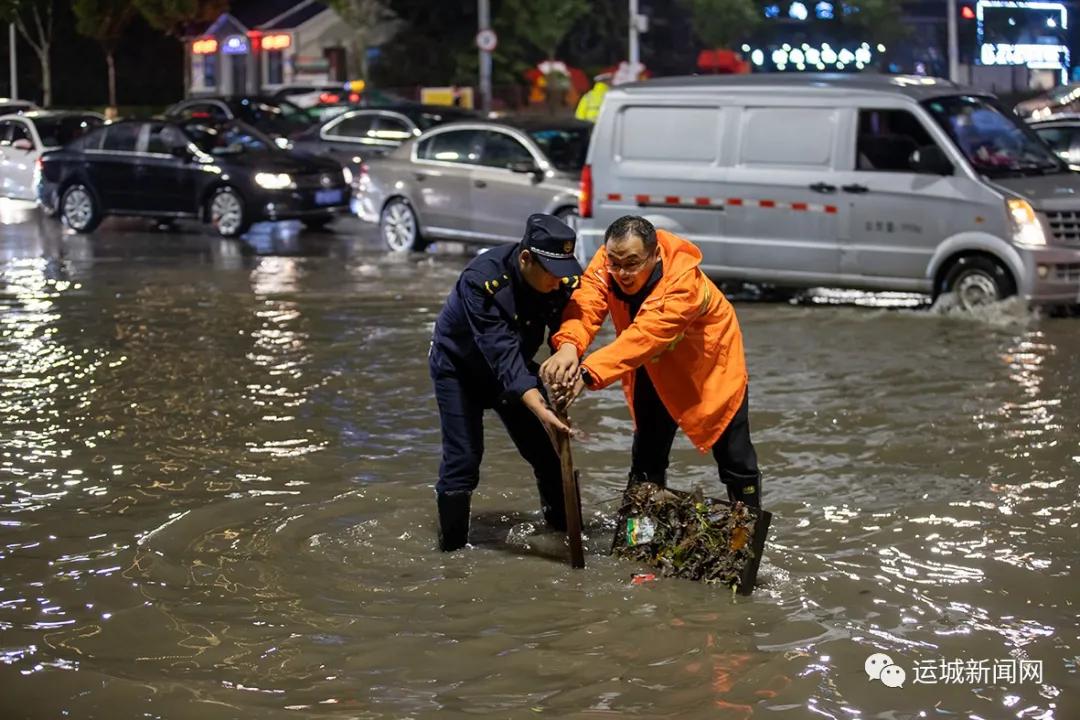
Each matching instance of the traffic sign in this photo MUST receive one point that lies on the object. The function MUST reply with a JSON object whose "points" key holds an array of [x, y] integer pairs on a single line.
{"points": [[486, 40]]}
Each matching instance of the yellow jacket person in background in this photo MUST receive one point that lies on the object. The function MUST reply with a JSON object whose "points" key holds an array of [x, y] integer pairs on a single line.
{"points": [[589, 105]]}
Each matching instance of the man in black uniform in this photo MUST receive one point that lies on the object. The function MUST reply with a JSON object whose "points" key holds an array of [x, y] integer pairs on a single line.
{"points": [[503, 307]]}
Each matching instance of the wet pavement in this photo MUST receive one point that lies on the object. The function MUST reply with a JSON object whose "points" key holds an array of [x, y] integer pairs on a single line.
{"points": [[215, 502]]}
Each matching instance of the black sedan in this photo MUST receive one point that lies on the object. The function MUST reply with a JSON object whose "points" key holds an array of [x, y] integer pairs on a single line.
{"points": [[227, 174], [278, 118]]}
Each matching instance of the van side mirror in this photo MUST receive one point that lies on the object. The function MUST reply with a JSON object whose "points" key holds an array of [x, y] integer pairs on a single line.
{"points": [[931, 160], [23, 144], [180, 152]]}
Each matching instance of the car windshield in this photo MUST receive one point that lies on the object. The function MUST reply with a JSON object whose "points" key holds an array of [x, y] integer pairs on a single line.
{"points": [[279, 117], [229, 138], [58, 131], [565, 147], [995, 142]]}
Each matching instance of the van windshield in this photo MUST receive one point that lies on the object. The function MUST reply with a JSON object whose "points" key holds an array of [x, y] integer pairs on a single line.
{"points": [[995, 142]]}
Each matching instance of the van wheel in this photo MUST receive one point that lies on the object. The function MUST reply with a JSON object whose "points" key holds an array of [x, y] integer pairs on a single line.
{"points": [[978, 280], [400, 227], [78, 209], [227, 213]]}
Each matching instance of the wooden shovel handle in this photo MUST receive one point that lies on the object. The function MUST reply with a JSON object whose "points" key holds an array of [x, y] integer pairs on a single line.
{"points": [[571, 500]]}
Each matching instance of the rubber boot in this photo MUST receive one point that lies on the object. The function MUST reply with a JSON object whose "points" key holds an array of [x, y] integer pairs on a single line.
{"points": [[747, 491], [552, 504], [453, 519], [636, 476]]}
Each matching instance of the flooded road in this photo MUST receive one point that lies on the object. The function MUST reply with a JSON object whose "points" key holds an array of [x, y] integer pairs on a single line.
{"points": [[216, 502]]}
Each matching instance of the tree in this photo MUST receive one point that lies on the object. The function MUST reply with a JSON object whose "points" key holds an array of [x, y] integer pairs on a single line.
{"points": [[533, 30], [175, 17], [543, 23], [34, 21], [720, 23], [371, 22], [104, 21]]}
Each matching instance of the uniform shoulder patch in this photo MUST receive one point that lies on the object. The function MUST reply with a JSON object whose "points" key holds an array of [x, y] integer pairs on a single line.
{"points": [[496, 284]]}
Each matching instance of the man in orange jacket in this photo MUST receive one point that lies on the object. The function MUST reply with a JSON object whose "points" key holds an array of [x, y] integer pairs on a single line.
{"points": [[678, 351]]}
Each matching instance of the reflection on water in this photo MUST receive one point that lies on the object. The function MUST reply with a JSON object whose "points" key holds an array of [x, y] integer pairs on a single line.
{"points": [[216, 470]]}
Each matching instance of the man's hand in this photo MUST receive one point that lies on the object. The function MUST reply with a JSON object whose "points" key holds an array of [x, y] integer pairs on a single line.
{"points": [[561, 368], [569, 393], [551, 422]]}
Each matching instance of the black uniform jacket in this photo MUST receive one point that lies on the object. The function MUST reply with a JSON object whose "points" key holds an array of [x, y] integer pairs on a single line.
{"points": [[493, 324]]}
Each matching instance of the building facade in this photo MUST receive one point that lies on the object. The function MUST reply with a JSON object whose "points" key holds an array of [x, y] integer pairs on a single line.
{"points": [[266, 46]]}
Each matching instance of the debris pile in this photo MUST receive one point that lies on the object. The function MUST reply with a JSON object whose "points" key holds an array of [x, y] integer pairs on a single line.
{"points": [[687, 535]]}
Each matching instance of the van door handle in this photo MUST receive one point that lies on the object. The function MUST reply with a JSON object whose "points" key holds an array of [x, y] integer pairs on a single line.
{"points": [[823, 187], [420, 177], [480, 183], [857, 189]]}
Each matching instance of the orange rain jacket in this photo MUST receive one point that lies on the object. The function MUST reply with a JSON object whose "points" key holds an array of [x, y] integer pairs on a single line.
{"points": [[685, 333]]}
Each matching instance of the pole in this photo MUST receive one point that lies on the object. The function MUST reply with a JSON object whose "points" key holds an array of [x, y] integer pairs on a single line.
{"points": [[483, 11], [954, 42], [633, 54], [14, 72]]}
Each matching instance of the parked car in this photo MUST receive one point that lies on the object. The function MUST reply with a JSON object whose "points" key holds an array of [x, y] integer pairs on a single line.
{"points": [[24, 137], [1061, 100], [280, 119], [9, 106], [227, 174], [361, 134], [865, 181], [308, 96], [1063, 137], [474, 181]]}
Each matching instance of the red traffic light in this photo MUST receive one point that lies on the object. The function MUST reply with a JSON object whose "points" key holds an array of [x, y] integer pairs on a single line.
{"points": [[967, 12]]}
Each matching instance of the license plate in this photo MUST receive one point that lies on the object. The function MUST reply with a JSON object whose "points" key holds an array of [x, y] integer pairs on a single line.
{"points": [[327, 197]]}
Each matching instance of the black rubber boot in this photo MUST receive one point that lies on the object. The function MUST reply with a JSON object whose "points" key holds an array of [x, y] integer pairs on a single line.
{"points": [[552, 504], [746, 491], [453, 519], [636, 476]]}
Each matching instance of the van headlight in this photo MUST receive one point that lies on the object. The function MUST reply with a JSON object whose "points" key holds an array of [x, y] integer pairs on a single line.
{"points": [[274, 181], [347, 174], [1027, 230]]}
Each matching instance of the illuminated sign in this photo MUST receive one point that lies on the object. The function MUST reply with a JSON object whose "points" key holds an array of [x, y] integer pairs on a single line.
{"points": [[235, 45], [1034, 56], [810, 57], [204, 46], [276, 42], [1018, 32]]}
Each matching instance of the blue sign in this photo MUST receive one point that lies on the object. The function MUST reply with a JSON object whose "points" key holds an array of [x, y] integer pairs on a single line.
{"points": [[235, 45]]}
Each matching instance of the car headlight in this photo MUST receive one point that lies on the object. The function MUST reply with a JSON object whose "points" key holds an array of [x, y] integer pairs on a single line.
{"points": [[1027, 230], [274, 181], [347, 174]]}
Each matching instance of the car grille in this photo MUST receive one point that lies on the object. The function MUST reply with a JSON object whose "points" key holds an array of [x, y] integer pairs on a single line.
{"points": [[1069, 272], [1065, 225], [315, 181]]}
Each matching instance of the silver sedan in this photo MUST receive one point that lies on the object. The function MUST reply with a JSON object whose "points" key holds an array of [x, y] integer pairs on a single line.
{"points": [[474, 181]]}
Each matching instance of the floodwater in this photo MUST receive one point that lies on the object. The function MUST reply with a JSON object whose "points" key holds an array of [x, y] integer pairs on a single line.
{"points": [[216, 502]]}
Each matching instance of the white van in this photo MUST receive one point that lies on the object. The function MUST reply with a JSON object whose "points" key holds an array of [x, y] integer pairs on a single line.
{"points": [[881, 182]]}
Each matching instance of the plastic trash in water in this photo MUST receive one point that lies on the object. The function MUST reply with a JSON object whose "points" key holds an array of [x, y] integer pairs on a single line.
{"points": [[639, 530], [641, 578]]}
